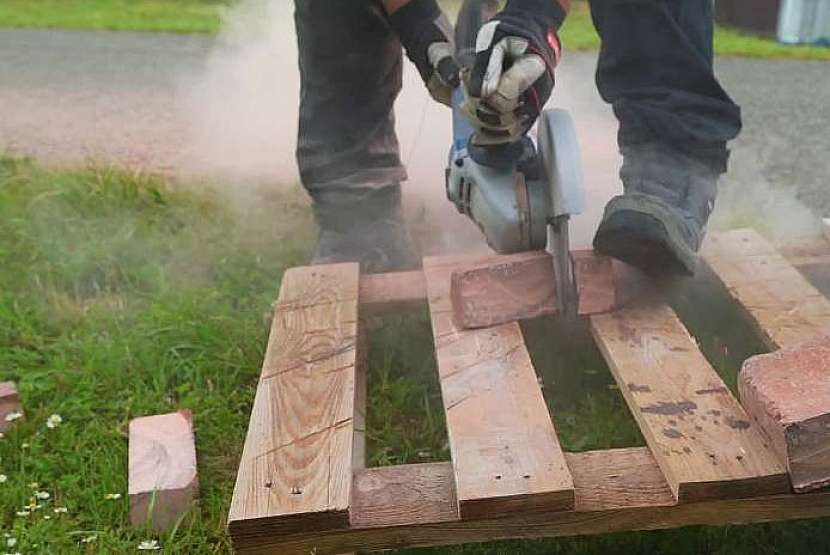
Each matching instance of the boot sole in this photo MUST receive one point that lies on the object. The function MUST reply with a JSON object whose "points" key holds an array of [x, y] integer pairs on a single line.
{"points": [[643, 241]]}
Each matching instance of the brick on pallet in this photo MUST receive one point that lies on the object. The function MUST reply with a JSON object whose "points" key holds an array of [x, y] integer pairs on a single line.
{"points": [[162, 469], [9, 403], [788, 393]]}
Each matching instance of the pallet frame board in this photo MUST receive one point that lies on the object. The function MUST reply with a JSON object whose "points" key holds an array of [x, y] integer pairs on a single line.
{"points": [[704, 442], [410, 505], [505, 450], [616, 490], [783, 306], [305, 438]]}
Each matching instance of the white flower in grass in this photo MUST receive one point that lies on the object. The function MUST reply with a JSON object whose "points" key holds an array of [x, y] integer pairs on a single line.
{"points": [[42, 495], [34, 485], [89, 539], [59, 510], [11, 542], [24, 512], [149, 545], [47, 517], [12, 416], [3, 478], [54, 421], [2, 435], [112, 496]]}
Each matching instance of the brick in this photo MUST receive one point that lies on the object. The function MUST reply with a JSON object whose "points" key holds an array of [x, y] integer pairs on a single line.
{"points": [[788, 393], [162, 469], [9, 403]]}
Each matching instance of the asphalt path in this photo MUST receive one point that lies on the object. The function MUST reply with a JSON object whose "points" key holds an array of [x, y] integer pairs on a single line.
{"points": [[179, 102]]}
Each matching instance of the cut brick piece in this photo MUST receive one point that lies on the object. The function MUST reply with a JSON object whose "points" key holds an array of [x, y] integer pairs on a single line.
{"points": [[9, 403], [162, 469], [788, 393], [521, 286]]}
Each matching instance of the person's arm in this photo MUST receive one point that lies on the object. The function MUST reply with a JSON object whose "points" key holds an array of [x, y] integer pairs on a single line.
{"points": [[512, 77], [426, 35]]}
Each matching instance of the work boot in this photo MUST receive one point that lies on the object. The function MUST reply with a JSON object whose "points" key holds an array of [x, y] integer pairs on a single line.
{"points": [[658, 223], [363, 225]]}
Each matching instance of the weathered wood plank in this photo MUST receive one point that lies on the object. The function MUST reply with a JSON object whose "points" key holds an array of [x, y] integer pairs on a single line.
{"points": [[504, 448], [162, 469], [700, 436], [304, 437], [404, 495], [616, 490], [783, 306], [391, 292], [788, 394], [523, 285], [9, 404]]}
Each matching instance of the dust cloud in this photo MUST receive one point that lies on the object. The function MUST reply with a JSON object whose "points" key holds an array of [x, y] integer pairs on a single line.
{"points": [[243, 112]]}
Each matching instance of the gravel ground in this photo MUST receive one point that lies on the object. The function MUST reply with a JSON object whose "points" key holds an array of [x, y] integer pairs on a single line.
{"points": [[67, 96]]}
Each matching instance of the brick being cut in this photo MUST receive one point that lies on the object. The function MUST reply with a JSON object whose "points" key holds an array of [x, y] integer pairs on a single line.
{"points": [[788, 393]]}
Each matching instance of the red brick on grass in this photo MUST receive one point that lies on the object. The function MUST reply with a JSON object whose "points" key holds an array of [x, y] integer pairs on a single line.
{"points": [[162, 469], [9, 403], [788, 393]]}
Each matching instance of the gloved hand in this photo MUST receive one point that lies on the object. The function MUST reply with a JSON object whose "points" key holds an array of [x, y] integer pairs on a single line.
{"points": [[512, 77], [426, 35]]}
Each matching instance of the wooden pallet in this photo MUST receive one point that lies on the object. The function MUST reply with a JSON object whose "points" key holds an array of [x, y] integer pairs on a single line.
{"points": [[302, 486]]}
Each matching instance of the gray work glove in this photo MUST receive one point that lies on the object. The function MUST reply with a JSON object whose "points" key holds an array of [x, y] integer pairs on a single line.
{"points": [[426, 35], [512, 77]]}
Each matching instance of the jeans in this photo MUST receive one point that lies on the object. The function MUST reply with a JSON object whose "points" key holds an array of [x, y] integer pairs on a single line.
{"points": [[655, 69]]}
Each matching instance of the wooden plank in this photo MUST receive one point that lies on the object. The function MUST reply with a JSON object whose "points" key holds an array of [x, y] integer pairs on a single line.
{"points": [[163, 481], [521, 286], [404, 495], [788, 394], [304, 433], [616, 490], [504, 448], [10, 405], [783, 306], [391, 292], [700, 436], [807, 253]]}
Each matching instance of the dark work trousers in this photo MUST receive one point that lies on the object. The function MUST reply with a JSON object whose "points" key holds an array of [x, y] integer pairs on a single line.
{"points": [[350, 75], [655, 69]]}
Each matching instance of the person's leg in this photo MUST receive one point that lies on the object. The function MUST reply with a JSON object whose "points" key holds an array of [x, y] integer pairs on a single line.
{"points": [[350, 70], [655, 69]]}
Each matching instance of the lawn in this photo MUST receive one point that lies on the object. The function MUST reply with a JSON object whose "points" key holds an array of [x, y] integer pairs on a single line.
{"points": [[205, 16], [176, 16], [124, 295]]}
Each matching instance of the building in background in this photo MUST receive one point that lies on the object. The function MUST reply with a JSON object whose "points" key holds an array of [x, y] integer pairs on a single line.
{"points": [[791, 21]]}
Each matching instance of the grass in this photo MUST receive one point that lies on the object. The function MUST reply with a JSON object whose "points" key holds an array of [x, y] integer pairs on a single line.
{"points": [[578, 34], [124, 295], [175, 16]]}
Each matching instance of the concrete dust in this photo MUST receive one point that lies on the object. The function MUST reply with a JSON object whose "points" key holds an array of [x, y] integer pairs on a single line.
{"points": [[242, 116]]}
